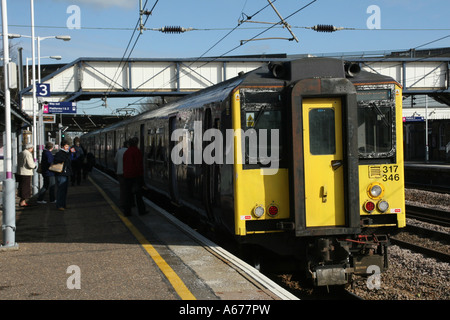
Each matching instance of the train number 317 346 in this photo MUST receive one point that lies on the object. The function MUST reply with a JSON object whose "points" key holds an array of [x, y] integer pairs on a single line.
{"points": [[390, 173]]}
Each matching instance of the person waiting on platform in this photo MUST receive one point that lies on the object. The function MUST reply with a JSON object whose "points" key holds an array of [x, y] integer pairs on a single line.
{"points": [[118, 160], [77, 161], [25, 166], [88, 164], [62, 178], [49, 176], [133, 172]]}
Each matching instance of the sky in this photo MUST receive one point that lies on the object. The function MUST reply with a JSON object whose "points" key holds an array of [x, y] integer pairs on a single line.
{"points": [[104, 28]]}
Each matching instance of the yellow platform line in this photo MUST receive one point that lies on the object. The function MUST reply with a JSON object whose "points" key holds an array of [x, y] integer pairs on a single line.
{"points": [[174, 279]]}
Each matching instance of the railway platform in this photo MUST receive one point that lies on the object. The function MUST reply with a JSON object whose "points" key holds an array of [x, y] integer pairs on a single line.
{"points": [[92, 251], [442, 166], [431, 174]]}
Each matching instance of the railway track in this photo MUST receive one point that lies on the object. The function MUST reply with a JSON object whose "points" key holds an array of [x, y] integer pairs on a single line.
{"points": [[423, 240], [442, 256], [428, 187], [434, 216]]}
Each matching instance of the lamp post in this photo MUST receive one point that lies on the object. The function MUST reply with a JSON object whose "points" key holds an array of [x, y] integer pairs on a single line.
{"points": [[29, 59], [33, 55], [39, 39], [9, 198]]}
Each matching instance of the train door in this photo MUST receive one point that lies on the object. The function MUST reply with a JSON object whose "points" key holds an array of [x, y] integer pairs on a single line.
{"points": [[324, 169], [172, 166], [323, 159]]}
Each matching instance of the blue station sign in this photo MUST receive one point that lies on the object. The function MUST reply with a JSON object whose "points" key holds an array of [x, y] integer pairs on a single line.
{"points": [[413, 119], [60, 107]]}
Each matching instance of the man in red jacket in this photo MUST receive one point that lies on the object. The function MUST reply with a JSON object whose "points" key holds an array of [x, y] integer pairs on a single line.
{"points": [[133, 173]]}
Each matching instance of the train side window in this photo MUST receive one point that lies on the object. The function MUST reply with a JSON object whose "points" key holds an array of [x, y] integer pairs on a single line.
{"points": [[322, 138]]}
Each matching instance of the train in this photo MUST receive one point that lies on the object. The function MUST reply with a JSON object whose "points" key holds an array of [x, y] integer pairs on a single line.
{"points": [[302, 158]]}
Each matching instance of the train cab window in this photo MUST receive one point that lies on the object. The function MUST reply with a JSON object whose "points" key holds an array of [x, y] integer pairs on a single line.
{"points": [[262, 113], [376, 124], [375, 129]]}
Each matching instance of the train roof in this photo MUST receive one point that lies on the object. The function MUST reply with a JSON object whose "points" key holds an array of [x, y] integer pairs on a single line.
{"points": [[370, 77]]}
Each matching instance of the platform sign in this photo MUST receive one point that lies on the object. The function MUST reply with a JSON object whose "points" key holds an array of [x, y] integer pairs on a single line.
{"points": [[60, 107], [43, 89], [413, 119]]}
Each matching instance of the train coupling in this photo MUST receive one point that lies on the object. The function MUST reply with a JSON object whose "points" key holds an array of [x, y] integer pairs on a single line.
{"points": [[331, 275]]}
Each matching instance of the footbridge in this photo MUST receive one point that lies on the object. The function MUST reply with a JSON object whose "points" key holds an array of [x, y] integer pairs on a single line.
{"points": [[88, 78]]}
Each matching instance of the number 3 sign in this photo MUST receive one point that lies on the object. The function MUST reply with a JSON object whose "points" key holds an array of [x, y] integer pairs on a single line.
{"points": [[43, 89]]}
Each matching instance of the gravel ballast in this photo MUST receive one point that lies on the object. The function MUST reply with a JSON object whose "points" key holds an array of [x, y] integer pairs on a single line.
{"points": [[412, 276]]}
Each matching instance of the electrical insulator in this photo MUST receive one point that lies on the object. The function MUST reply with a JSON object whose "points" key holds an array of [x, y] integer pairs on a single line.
{"points": [[173, 29], [325, 28]]}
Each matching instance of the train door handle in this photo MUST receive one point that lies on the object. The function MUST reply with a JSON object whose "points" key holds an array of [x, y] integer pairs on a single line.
{"points": [[335, 164], [324, 193]]}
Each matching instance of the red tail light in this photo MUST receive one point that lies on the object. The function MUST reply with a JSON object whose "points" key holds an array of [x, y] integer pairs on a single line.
{"points": [[369, 206], [273, 210]]}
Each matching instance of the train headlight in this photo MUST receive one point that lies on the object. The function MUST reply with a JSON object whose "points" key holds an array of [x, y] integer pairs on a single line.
{"points": [[375, 190], [369, 206], [383, 205], [258, 211]]}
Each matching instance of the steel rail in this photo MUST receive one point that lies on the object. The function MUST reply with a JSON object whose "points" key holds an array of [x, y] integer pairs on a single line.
{"points": [[430, 215]]}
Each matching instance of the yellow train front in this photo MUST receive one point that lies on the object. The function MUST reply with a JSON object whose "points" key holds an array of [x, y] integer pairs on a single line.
{"points": [[338, 187]]}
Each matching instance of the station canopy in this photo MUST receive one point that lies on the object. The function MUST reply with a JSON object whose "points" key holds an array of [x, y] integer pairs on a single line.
{"points": [[86, 123]]}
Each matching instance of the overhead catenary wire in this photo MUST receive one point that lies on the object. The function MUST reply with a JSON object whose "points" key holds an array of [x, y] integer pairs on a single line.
{"points": [[282, 22], [213, 59], [209, 49], [236, 47], [229, 28], [271, 27], [138, 26]]}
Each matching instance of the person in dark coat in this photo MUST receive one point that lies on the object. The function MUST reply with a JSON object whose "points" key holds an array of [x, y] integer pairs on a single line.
{"points": [[77, 161], [49, 176], [88, 164], [62, 178], [133, 173], [118, 160]]}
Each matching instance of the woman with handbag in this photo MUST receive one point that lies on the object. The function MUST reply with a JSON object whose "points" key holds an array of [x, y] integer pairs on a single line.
{"points": [[63, 157], [25, 166]]}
